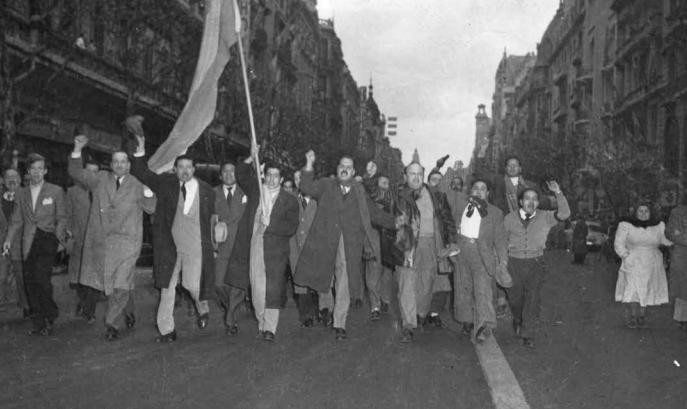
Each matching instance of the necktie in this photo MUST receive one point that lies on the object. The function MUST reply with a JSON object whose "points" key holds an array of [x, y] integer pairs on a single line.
{"points": [[118, 183], [229, 196], [90, 196], [304, 202], [183, 190]]}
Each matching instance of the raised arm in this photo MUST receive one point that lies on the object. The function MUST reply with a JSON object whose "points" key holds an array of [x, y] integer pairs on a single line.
{"points": [[563, 211], [310, 186], [139, 168], [76, 170]]}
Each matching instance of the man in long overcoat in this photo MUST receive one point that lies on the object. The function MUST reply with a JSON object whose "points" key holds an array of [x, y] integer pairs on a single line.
{"points": [[13, 261], [332, 255], [114, 234], [305, 297], [182, 241], [230, 205], [79, 199], [276, 220], [676, 231]]}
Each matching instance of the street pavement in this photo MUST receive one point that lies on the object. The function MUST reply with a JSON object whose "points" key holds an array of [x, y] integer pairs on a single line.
{"points": [[585, 358]]}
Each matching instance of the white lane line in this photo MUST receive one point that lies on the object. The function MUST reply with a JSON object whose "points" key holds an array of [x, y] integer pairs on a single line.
{"points": [[504, 388]]}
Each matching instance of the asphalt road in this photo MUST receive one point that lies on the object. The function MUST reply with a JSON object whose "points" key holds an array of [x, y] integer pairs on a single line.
{"points": [[304, 368], [585, 358]]}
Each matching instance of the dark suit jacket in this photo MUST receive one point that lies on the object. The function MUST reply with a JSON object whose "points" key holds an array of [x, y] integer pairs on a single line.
{"points": [[166, 188], [229, 215], [239, 260], [283, 225], [50, 215]]}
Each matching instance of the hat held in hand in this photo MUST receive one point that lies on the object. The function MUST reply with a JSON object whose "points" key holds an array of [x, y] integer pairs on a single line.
{"points": [[134, 124]]}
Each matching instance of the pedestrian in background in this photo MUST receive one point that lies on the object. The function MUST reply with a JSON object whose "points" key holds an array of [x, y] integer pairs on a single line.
{"points": [[11, 264], [642, 276], [579, 240], [676, 231]]}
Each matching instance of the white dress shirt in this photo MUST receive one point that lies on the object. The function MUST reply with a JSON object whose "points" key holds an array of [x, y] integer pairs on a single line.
{"points": [[469, 226], [191, 191], [227, 189], [35, 191]]}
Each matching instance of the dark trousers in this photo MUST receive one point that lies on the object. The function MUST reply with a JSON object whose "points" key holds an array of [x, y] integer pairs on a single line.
{"points": [[524, 296], [229, 299], [307, 305], [37, 276], [88, 298]]}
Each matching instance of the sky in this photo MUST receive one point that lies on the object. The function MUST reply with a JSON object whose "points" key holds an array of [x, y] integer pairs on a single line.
{"points": [[433, 61]]}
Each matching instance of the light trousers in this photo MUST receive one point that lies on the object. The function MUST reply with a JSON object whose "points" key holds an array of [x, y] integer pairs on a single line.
{"points": [[120, 302], [416, 284], [189, 268]]}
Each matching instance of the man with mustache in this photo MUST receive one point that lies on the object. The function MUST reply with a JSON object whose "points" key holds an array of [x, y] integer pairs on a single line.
{"points": [[332, 254]]}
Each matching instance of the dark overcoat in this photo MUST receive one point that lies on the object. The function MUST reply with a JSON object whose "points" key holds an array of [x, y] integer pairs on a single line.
{"points": [[492, 244], [315, 268], [239, 260], [166, 188], [676, 231], [276, 238]]}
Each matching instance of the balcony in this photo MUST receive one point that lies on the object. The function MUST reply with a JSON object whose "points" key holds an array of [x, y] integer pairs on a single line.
{"points": [[584, 75]]}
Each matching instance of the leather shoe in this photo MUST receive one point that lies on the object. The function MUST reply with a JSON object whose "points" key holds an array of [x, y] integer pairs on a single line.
{"points": [[111, 334], [232, 329], [268, 336], [385, 307], [167, 338], [407, 336], [90, 320], [516, 329], [375, 315], [340, 334], [435, 320], [308, 323], [482, 334], [130, 320], [466, 328], [203, 320], [326, 317], [528, 342]]}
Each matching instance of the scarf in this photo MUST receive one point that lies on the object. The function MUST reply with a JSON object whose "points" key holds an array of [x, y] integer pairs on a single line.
{"points": [[475, 202], [642, 224], [270, 198]]}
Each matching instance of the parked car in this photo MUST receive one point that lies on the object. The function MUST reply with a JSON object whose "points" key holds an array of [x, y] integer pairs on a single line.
{"points": [[596, 237]]}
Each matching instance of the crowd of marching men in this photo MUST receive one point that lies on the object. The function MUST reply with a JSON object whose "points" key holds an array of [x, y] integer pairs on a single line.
{"points": [[336, 240]]}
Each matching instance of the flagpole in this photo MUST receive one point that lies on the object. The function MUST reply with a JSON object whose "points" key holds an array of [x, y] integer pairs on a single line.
{"points": [[244, 71]]}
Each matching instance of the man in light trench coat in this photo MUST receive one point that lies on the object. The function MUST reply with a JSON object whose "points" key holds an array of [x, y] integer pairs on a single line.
{"points": [[114, 234]]}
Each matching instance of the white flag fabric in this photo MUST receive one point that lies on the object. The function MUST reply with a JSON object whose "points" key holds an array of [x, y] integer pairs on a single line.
{"points": [[219, 34]]}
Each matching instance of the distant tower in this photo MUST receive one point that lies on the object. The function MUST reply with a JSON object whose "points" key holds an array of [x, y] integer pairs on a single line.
{"points": [[482, 124], [416, 156]]}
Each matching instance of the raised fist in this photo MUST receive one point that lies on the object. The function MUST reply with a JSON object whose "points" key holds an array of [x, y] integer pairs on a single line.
{"points": [[80, 141]]}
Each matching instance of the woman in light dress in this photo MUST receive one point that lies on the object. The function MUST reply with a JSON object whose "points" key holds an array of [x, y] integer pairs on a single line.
{"points": [[642, 276]]}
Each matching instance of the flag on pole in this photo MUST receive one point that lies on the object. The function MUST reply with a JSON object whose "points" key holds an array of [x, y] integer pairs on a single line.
{"points": [[219, 34]]}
